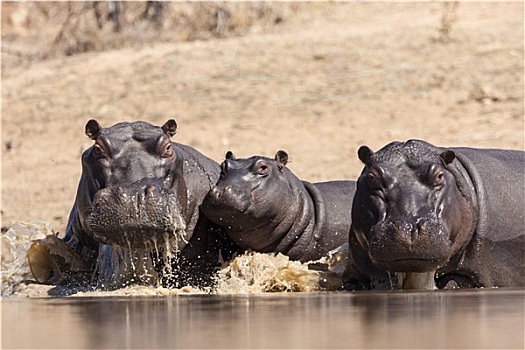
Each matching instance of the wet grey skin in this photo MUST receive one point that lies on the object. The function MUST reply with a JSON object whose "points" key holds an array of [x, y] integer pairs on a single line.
{"points": [[264, 207], [425, 217], [139, 190]]}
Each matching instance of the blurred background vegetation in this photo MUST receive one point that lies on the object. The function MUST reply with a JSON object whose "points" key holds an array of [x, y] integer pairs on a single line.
{"points": [[54, 29]]}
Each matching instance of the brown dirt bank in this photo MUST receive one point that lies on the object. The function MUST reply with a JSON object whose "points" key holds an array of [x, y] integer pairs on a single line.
{"points": [[318, 85]]}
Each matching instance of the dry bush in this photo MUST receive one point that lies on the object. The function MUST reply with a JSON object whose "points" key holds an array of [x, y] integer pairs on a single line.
{"points": [[448, 18], [53, 29]]}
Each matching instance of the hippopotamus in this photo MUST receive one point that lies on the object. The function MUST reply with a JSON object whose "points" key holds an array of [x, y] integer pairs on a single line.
{"points": [[265, 208], [425, 217], [141, 192]]}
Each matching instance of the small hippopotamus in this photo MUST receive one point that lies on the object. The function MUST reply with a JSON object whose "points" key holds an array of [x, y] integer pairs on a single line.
{"points": [[264, 207], [426, 217], [141, 192]]}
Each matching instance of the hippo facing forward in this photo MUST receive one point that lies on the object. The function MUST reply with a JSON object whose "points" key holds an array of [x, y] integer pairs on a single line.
{"points": [[264, 207], [425, 216], [141, 192]]}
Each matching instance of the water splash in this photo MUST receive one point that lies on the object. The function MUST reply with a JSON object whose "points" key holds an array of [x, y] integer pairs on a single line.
{"points": [[123, 271], [259, 273]]}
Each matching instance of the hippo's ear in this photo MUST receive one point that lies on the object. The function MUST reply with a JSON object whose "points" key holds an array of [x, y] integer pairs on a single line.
{"points": [[170, 127], [93, 129], [282, 158], [230, 155], [448, 156], [365, 154]]}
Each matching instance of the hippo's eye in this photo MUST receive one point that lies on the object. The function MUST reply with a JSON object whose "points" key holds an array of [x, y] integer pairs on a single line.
{"points": [[436, 175], [98, 151], [168, 151], [102, 148], [263, 169], [163, 146], [374, 180]]}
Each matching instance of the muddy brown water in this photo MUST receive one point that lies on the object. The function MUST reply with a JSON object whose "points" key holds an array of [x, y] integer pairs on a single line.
{"points": [[481, 318]]}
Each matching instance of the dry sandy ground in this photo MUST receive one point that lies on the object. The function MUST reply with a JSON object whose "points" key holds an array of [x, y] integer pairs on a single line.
{"points": [[318, 86]]}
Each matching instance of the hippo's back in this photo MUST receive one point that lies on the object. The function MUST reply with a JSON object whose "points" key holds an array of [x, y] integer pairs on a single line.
{"points": [[510, 162], [337, 197], [334, 191], [499, 177]]}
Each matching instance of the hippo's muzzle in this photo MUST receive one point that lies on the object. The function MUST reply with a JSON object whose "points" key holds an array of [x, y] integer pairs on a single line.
{"points": [[401, 246], [135, 216], [224, 203]]}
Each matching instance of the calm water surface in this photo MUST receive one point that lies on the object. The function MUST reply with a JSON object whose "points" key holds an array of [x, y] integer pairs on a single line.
{"points": [[394, 319]]}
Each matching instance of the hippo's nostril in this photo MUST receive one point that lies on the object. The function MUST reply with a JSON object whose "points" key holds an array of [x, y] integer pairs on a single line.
{"points": [[99, 196], [397, 226], [215, 193], [150, 190], [422, 225], [404, 231]]}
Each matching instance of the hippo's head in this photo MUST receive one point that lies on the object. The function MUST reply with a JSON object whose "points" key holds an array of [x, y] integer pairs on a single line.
{"points": [[407, 208], [131, 193], [250, 195]]}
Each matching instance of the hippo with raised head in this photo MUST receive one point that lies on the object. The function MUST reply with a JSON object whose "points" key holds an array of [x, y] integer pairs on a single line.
{"points": [[426, 217], [141, 192], [264, 207]]}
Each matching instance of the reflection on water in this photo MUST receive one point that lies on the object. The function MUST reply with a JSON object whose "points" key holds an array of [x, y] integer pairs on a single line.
{"points": [[393, 319], [492, 318]]}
